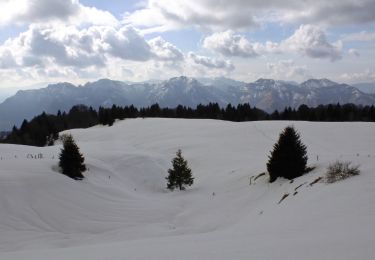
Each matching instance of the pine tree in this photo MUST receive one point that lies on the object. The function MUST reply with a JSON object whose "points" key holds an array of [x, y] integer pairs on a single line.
{"points": [[288, 158], [180, 175], [71, 160]]}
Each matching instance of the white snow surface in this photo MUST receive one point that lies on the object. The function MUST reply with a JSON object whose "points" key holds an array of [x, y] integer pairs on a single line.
{"points": [[122, 210]]}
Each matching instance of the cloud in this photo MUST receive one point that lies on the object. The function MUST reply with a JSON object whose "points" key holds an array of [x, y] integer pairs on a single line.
{"points": [[45, 51], [205, 14], [307, 40], [125, 43], [268, 48], [360, 37], [367, 75], [165, 51], [41, 11], [230, 44], [62, 46], [24, 11], [311, 41], [161, 15], [287, 69], [41, 46], [7, 60], [94, 16], [354, 52], [212, 63], [334, 12]]}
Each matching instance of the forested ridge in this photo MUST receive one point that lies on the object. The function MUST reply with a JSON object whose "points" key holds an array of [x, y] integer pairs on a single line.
{"points": [[43, 129]]}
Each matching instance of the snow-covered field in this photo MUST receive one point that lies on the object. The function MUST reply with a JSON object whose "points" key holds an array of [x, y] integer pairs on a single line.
{"points": [[123, 211]]}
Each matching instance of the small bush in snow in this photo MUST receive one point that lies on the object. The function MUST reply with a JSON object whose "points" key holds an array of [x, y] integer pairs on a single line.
{"points": [[340, 170]]}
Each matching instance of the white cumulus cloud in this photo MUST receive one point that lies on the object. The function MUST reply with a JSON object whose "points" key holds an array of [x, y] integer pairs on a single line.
{"points": [[45, 50], [367, 75], [60, 51], [213, 63], [205, 14], [311, 41], [7, 60], [287, 69], [41, 11], [230, 44], [243, 14], [163, 50], [125, 43], [307, 40]]}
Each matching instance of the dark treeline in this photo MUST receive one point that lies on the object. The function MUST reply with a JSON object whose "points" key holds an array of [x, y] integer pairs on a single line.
{"points": [[43, 129]]}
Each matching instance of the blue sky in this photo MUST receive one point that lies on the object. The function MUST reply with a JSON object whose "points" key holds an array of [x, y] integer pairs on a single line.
{"points": [[116, 7], [84, 40]]}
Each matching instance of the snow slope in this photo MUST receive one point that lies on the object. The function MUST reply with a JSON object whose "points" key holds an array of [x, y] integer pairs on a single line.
{"points": [[123, 211]]}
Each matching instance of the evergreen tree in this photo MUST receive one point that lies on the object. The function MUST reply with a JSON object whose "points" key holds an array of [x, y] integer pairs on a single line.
{"points": [[71, 160], [180, 175], [288, 158]]}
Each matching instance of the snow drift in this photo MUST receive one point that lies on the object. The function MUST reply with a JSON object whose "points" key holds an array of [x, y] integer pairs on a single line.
{"points": [[122, 209]]}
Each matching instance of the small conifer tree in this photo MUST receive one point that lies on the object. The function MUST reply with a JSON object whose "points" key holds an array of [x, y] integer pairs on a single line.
{"points": [[180, 175], [288, 158], [71, 160]]}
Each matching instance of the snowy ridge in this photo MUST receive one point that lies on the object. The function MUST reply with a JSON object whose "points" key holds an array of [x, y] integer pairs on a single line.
{"points": [[318, 83], [123, 211]]}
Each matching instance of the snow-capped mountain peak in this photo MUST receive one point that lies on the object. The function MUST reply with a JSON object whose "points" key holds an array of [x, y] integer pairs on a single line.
{"points": [[318, 83], [181, 81], [265, 82]]}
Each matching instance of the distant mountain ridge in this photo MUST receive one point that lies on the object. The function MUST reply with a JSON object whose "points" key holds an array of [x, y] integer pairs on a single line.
{"points": [[266, 94], [368, 87]]}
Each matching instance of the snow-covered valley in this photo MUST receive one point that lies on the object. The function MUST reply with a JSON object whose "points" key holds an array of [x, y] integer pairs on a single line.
{"points": [[122, 210]]}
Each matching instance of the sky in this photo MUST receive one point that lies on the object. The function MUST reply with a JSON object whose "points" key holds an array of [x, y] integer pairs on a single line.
{"points": [[136, 40]]}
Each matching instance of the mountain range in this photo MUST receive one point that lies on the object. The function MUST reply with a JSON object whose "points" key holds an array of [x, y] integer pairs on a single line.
{"points": [[266, 94]]}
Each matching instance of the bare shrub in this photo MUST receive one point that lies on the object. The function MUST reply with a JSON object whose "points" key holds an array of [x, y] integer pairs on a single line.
{"points": [[283, 197], [338, 171], [259, 175], [315, 181]]}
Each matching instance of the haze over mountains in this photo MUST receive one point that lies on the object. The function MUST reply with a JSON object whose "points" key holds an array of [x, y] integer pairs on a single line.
{"points": [[266, 94]]}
